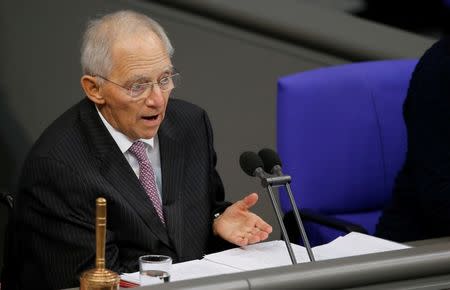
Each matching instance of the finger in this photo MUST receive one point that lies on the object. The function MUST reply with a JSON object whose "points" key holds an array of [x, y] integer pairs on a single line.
{"points": [[263, 226], [252, 239], [240, 240], [255, 231], [251, 199], [263, 235]]}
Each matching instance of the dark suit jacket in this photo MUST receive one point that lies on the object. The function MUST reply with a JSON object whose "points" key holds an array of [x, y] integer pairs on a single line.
{"points": [[420, 207], [75, 161]]}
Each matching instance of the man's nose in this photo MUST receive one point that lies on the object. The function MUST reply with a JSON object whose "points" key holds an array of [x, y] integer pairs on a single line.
{"points": [[155, 96]]}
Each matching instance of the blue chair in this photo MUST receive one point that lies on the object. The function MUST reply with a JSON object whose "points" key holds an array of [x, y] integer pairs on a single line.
{"points": [[342, 138]]}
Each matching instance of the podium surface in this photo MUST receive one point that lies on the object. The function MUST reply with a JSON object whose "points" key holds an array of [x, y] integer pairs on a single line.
{"points": [[423, 267], [420, 267]]}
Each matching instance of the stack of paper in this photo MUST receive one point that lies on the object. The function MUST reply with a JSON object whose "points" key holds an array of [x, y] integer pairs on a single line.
{"points": [[189, 270], [354, 244], [259, 256], [273, 254]]}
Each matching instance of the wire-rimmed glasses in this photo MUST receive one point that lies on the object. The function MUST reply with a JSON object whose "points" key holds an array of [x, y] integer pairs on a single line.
{"points": [[136, 90]]}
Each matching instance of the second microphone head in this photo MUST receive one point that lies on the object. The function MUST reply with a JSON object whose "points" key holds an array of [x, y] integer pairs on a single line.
{"points": [[270, 159]]}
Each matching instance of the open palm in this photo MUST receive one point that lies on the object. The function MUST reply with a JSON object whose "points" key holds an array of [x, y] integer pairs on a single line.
{"points": [[238, 225]]}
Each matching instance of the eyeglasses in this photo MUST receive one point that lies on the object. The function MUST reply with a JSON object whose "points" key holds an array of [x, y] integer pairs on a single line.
{"points": [[137, 90]]}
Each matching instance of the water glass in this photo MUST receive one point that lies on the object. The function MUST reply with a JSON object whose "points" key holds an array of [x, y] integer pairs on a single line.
{"points": [[154, 269]]}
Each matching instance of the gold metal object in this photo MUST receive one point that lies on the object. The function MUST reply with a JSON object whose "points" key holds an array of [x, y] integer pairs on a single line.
{"points": [[100, 278]]}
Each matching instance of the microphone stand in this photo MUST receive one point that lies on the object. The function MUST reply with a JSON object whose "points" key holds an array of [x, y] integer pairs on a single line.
{"points": [[299, 223], [284, 180]]}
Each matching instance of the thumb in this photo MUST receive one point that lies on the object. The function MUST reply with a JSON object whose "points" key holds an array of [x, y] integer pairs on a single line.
{"points": [[249, 201]]}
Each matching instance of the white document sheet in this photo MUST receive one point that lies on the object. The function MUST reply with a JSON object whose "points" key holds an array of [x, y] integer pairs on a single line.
{"points": [[199, 268], [273, 254], [354, 244], [189, 270], [259, 256]]}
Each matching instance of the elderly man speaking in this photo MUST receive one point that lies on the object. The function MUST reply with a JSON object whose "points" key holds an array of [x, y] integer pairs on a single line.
{"points": [[150, 156]]}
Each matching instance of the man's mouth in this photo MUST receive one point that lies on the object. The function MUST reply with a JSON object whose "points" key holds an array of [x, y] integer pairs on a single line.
{"points": [[150, 118]]}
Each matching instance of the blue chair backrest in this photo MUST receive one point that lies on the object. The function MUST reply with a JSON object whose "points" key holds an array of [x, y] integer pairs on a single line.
{"points": [[342, 138]]}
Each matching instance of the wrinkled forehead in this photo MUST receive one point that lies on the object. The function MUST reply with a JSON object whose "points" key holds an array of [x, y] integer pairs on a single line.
{"points": [[143, 54]]}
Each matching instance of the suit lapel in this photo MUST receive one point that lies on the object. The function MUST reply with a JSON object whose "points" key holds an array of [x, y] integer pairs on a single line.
{"points": [[172, 153], [116, 169]]}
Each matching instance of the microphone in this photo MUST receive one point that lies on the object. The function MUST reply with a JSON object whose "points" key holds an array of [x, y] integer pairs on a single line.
{"points": [[272, 164], [271, 160], [252, 164]]}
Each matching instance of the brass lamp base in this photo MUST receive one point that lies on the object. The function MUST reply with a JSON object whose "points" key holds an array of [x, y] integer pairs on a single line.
{"points": [[99, 279]]}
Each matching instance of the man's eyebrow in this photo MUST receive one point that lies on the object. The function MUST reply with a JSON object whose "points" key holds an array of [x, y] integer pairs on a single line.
{"points": [[170, 69], [146, 78], [137, 79]]}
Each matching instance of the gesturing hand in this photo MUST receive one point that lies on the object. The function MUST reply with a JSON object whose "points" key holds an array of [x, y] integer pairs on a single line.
{"points": [[240, 226]]}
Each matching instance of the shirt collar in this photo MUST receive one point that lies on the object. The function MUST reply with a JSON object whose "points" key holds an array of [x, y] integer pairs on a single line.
{"points": [[121, 139]]}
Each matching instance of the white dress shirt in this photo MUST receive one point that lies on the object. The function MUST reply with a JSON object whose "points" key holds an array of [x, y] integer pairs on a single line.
{"points": [[152, 146]]}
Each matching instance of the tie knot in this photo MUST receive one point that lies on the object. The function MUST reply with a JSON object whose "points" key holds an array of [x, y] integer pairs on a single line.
{"points": [[138, 149]]}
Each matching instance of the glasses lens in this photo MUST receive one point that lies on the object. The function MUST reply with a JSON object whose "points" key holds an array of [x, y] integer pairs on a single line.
{"points": [[164, 84], [169, 82], [137, 89], [176, 78]]}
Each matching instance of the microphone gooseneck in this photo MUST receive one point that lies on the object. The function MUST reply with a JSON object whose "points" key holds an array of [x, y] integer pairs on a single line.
{"points": [[252, 164]]}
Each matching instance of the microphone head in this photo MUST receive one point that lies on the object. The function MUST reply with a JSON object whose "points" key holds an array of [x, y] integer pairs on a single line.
{"points": [[249, 162], [270, 159]]}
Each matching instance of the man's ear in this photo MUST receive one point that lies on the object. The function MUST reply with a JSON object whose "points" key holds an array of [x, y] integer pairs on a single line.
{"points": [[91, 87]]}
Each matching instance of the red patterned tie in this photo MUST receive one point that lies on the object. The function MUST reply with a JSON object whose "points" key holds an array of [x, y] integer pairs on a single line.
{"points": [[147, 176]]}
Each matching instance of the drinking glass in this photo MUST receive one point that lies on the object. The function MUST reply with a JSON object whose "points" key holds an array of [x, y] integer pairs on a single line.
{"points": [[154, 269]]}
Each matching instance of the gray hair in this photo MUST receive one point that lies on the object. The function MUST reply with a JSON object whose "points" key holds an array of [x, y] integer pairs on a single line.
{"points": [[101, 33]]}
